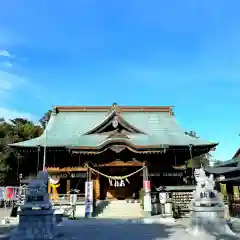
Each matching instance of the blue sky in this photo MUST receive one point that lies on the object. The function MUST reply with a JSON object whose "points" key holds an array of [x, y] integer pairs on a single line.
{"points": [[182, 53]]}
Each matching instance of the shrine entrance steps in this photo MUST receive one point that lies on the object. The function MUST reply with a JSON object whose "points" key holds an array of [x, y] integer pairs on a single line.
{"points": [[121, 209]]}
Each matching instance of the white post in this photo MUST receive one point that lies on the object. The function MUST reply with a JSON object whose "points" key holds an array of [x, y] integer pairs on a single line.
{"points": [[147, 206], [45, 149]]}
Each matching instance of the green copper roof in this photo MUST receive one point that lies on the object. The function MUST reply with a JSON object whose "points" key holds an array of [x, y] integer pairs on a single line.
{"points": [[68, 129]]}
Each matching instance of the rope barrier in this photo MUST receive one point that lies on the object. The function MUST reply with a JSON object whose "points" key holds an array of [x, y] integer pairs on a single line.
{"points": [[115, 177]]}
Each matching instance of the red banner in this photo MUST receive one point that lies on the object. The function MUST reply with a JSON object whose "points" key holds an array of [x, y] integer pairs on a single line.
{"points": [[146, 185]]}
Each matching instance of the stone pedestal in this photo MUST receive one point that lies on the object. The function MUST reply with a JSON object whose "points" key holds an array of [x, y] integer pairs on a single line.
{"points": [[168, 209], [36, 218], [206, 221], [34, 226], [208, 210]]}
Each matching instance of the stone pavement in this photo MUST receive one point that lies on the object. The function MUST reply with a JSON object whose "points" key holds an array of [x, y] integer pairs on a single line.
{"points": [[122, 229], [125, 229], [117, 230]]}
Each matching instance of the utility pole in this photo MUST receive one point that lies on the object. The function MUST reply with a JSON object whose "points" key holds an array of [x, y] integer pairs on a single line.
{"points": [[45, 148]]}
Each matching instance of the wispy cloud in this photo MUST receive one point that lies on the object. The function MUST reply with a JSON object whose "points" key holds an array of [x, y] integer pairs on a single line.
{"points": [[9, 80], [11, 114], [9, 83], [4, 53], [6, 64]]}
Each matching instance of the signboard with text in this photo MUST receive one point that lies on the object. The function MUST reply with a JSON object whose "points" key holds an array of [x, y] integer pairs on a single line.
{"points": [[73, 175], [166, 174]]}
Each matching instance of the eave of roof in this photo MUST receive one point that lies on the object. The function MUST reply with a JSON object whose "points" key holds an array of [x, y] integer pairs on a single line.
{"points": [[222, 170], [99, 141], [233, 179], [234, 161]]}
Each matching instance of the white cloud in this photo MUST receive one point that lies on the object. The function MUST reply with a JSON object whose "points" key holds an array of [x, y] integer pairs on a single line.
{"points": [[9, 84], [4, 53], [8, 80], [11, 114]]}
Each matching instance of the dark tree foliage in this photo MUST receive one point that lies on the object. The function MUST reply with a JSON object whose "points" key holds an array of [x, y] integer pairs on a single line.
{"points": [[202, 160], [12, 131], [44, 120]]}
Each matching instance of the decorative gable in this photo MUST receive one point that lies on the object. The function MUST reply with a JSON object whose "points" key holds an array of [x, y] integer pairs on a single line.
{"points": [[114, 124]]}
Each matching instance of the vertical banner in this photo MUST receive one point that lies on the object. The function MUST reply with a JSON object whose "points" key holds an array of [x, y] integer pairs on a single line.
{"points": [[147, 206], [88, 198]]}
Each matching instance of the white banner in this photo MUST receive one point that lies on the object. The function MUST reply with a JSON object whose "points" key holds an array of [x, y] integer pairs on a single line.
{"points": [[88, 198]]}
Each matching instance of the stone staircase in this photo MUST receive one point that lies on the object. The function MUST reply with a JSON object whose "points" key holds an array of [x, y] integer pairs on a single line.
{"points": [[120, 209]]}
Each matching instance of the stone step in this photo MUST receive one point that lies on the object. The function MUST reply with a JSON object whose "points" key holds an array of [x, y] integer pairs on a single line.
{"points": [[121, 209]]}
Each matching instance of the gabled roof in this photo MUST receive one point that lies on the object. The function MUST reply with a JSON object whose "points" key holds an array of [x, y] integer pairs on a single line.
{"points": [[114, 118], [68, 127]]}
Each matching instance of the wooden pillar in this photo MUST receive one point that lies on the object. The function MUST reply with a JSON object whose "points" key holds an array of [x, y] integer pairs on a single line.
{"points": [[68, 186], [89, 175], [229, 188], [49, 187], [96, 188]]}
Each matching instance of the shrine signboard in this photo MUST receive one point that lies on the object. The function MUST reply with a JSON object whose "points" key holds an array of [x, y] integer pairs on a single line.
{"points": [[35, 198], [165, 174]]}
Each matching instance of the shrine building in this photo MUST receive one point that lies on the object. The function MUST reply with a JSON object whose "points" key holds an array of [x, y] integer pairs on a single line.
{"points": [[115, 146]]}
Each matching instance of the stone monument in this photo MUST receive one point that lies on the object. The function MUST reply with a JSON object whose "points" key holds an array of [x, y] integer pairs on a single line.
{"points": [[36, 217], [207, 218]]}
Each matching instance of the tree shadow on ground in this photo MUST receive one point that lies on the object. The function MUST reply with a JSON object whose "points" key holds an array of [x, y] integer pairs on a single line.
{"points": [[4, 230], [100, 206]]}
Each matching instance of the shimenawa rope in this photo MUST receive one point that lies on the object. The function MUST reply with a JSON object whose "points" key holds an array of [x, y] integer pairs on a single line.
{"points": [[115, 177]]}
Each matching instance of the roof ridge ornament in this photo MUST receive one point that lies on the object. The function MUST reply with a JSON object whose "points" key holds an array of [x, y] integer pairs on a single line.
{"points": [[115, 121], [116, 134], [115, 108]]}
